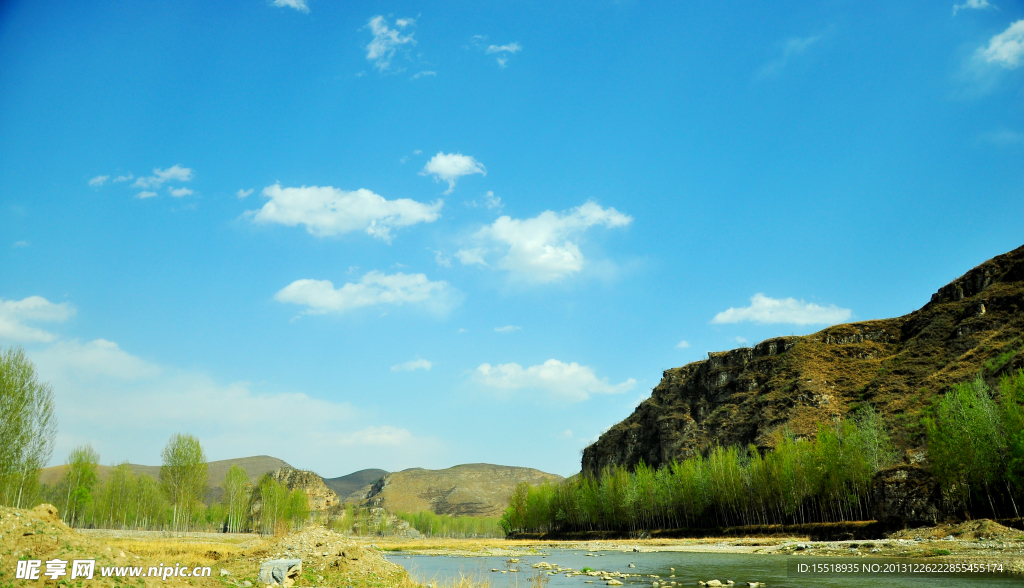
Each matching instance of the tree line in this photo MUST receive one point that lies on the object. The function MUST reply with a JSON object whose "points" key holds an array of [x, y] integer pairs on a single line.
{"points": [[124, 500], [175, 501], [975, 440]]}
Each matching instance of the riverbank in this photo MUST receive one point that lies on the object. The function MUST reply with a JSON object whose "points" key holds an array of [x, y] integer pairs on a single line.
{"points": [[981, 541]]}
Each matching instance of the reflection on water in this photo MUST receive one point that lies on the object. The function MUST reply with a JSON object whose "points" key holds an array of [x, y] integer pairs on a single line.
{"points": [[676, 569]]}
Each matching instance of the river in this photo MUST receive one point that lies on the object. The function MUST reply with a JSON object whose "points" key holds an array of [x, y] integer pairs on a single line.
{"points": [[775, 571]]}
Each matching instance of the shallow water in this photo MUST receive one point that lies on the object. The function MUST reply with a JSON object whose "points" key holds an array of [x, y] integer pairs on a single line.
{"points": [[777, 571]]}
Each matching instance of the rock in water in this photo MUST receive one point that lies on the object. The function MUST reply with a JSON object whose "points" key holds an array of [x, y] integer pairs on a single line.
{"points": [[280, 572]]}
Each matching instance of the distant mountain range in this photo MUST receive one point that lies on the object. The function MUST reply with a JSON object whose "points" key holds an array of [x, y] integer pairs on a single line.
{"points": [[478, 489], [355, 486]]}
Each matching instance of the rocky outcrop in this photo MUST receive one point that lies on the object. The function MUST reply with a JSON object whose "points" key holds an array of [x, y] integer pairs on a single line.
{"points": [[321, 498], [750, 395], [907, 495]]}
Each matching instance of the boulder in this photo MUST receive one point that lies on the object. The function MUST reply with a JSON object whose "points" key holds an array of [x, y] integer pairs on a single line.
{"points": [[280, 572], [907, 495]]}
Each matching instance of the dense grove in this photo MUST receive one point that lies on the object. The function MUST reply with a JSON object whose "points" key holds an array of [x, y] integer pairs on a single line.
{"points": [[975, 440]]}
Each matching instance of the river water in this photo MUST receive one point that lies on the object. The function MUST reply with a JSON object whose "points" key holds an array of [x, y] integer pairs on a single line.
{"points": [[775, 571]]}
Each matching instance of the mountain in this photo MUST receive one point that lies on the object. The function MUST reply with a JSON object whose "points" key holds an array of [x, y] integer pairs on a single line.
{"points": [[255, 467], [973, 325], [476, 489], [355, 486]]}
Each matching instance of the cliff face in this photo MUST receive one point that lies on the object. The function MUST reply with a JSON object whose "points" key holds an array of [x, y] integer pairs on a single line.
{"points": [[973, 325], [320, 496]]}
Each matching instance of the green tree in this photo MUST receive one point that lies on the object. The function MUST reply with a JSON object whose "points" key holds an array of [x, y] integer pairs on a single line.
{"points": [[298, 508], [236, 497], [74, 491], [273, 497], [27, 427], [183, 477]]}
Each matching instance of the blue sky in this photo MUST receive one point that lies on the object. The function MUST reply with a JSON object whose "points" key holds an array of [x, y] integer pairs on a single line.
{"points": [[418, 234]]}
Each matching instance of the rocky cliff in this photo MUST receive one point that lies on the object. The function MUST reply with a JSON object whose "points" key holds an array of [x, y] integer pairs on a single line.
{"points": [[974, 325], [320, 496]]}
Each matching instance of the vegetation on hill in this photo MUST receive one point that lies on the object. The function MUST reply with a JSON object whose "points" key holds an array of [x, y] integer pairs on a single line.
{"points": [[976, 451], [354, 487], [972, 326]]}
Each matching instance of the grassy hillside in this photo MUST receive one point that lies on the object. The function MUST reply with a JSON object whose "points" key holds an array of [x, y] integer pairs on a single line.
{"points": [[354, 487], [479, 489]]}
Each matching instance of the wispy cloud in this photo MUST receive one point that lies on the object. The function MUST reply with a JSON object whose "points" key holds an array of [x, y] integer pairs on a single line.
{"points": [[173, 173], [412, 365], [424, 74], [544, 248], [683, 345], [374, 289], [387, 41], [17, 315], [124, 178], [507, 329], [99, 180], [179, 192], [299, 5], [971, 5], [326, 211], [563, 381], [1004, 137], [452, 166], [19, 244], [145, 194], [243, 193], [765, 310], [1006, 48], [791, 48], [510, 48]]}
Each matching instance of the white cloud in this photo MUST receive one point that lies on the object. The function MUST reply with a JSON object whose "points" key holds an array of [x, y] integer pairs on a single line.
{"points": [[564, 381], [792, 47], [510, 48], [683, 345], [99, 180], [507, 329], [472, 256], [452, 166], [127, 407], [20, 244], [566, 434], [765, 310], [543, 248], [14, 314], [463, 331], [173, 173], [375, 288], [145, 194], [741, 340], [971, 4], [179, 192], [502, 61], [1004, 137], [424, 74], [299, 5], [441, 259], [243, 193], [386, 41], [1006, 48], [95, 358], [490, 202], [329, 211], [124, 178], [412, 365]]}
